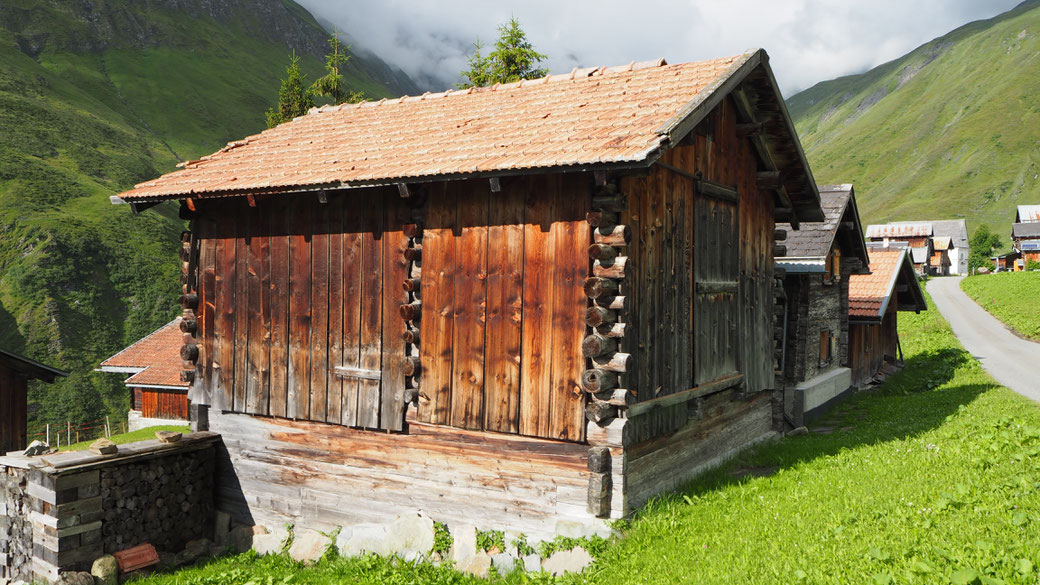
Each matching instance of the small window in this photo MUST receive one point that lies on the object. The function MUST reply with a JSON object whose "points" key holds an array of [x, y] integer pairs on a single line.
{"points": [[832, 268], [825, 346]]}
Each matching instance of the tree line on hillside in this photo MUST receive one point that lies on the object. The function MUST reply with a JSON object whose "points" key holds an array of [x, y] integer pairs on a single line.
{"points": [[513, 58]]}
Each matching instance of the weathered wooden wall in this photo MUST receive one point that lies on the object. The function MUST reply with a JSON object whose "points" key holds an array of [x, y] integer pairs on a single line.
{"points": [[290, 289], [503, 307], [869, 344], [322, 476], [12, 410], [159, 403]]}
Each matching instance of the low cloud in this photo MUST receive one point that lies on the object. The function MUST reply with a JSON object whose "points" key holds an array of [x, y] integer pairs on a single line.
{"points": [[808, 40]]}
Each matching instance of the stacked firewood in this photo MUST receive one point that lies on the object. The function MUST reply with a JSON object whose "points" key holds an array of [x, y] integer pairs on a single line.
{"points": [[411, 311]]}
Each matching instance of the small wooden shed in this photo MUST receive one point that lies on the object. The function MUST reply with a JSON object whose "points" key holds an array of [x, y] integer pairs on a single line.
{"points": [[15, 373], [530, 306], [820, 258], [158, 395], [874, 300]]}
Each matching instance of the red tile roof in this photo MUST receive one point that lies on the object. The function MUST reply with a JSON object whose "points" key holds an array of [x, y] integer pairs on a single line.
{"points": [[869, 293], [592, 116], [157, 358], [899, 230]]}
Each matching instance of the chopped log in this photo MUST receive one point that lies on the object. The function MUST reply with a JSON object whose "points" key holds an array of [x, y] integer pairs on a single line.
{"points": [[769, 179], [190, 301], [187, 338], [411, 395], [411, 311], [611, 203], [619, 397], [619, 362], [597, 287], [602, 252], [412, 285], [596, 380], [597, 411], [413, 254], [599, 459], [413, 230], [779, 235], [403, 190], [597, 345], [779, 251], [621, 235], [614, 269], [189, 353], [617, 330], [602, 220], [412, 366], [615, 302], [189, 325], [599, 316], [411, 335]]}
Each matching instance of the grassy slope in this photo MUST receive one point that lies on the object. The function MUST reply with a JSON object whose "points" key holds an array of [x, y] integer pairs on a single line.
{"points": [[85, 113], [1010, 297], [131, 437], [947, 131], [934, 480]]}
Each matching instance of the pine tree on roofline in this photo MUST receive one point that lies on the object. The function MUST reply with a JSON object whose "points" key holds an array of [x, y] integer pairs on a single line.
{"points": [[331, 85], [294, 97], [513, 59]]}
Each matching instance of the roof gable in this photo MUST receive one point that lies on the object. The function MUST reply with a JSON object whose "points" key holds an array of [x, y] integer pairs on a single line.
{"points": [[815, 239], [154, 360], [589, 119], [870, 294], [29, 368]]}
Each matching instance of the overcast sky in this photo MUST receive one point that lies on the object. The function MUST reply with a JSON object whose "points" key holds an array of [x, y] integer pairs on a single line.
{"points": [[808, 40]]}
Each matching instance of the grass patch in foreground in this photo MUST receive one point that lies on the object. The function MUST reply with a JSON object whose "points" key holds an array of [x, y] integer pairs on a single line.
{"points": [[131, 437], [1009, 296], [936, 481]]}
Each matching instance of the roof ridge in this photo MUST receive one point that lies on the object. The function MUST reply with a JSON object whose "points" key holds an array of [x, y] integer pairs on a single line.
{"points": [[139, 341]]}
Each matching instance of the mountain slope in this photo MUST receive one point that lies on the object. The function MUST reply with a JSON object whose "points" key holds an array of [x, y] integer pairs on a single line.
{"points": [[96, 95], [951, 130]]}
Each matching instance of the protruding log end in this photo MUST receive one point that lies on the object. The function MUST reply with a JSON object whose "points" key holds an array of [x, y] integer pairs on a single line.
{"points": [[597, 345], [779, 235], [189, 325], [602, 220], [621, 235], [596, 317], [188, 376], [602, 252], [596, 287], [596, 380], [412, 285], [779, 251], [411, 311], [190, 301], [189, 353], [413, 254], [411, 335], [599, 459], [597, 411], [413, 230], [619, 362], [412, 366]]}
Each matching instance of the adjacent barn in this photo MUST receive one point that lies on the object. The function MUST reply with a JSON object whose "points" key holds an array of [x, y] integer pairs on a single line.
{"points": [[917, 236], [533, 305], [820, 258], [1025, 239], [158, 395], [874, 300], [15, 373], [939, 265]]}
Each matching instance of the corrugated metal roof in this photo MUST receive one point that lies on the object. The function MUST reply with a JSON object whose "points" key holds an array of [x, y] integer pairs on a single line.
{"points": [[899, 230], [1028, 214], [942, 243], [919, 255], [1025, 230]]}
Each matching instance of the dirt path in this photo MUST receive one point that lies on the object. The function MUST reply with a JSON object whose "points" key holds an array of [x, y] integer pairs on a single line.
{"points": [[1013, 361]]}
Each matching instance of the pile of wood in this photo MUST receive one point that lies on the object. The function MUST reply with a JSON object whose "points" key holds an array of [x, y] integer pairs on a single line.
{"points": [[189, 306], [411, 311], [16, 536]]}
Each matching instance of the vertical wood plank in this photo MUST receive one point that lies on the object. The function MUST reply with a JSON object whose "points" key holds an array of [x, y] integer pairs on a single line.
{"points": [[371, 312], [203, 386], [278, 222], [536, 335], [504, 308], [572, 238], [438, 298], [351, 307], [319, 313], [224, 322], [334, 403], [394, 271], [258, 353], [241, 310], [298, 394], [467, 393]]}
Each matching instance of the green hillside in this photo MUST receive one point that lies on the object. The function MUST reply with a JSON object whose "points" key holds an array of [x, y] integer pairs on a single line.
{"points": [[951, 130], [96, 95]]}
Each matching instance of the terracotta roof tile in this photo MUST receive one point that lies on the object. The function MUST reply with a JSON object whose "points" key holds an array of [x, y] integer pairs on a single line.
{"points": [[596, 115], [157, 355], [868, 293], [899, 230]]}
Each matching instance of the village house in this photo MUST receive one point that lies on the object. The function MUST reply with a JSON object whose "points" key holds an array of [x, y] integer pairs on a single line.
{"points": [[158, 396], [530, 306], [874, 300], [15, 373], [939, 265], [820, 257], [1025, 237], [917, 236], [957, 232]]}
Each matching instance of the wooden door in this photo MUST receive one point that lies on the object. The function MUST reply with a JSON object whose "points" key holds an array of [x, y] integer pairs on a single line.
{"points": [[716, 282]]}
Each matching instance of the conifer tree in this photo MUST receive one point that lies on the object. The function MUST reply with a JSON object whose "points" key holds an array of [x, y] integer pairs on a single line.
{"points": [[294, 97], [331, 85], [513, 59]]}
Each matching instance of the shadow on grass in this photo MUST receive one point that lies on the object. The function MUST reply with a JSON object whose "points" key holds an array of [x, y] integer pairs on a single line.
{"points": [[906, 405]]}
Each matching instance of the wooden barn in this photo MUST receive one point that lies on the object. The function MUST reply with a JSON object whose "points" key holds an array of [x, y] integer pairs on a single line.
{"points": [[533, 305], [939, 265], [158, 395], [917, 236], [1025, 239], [15, 373], [874, 300], [820, 258]]}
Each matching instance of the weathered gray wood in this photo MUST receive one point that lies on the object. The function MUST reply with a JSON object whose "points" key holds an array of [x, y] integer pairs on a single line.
{"points": [[716, 385], [717, 287], [357, 373], [717, 191]]}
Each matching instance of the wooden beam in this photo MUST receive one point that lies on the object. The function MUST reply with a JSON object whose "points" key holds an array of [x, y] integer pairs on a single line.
{"points": [[750, 129], [717, 191], [357, 373], [496, 185], [716, 288], [717, 385], [402, 188], [771, 180]]}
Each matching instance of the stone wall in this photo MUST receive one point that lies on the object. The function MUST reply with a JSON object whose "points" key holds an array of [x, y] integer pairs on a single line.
{"points": [[68, 509], [16, 540]]}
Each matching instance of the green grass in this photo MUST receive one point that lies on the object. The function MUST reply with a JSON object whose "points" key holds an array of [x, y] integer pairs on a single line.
{"points": [[935, 479], [131, 437], [1011, 297], [955, 140]]}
